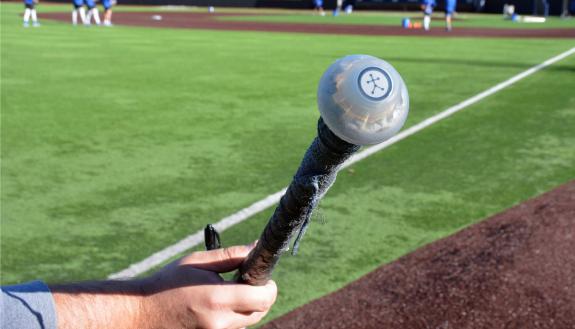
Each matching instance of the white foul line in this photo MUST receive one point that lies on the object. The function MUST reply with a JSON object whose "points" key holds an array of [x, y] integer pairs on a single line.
{"points": [[193, 240]]}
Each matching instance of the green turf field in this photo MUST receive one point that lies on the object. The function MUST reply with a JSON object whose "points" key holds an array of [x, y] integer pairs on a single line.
{"points": [[117, 142]]}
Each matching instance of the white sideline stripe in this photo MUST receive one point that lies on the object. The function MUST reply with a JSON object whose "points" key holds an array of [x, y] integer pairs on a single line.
{"points": [[193, 240], [454, 109]]}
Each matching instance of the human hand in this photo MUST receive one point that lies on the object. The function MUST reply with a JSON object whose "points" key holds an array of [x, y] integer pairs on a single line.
{"points": [[190, 293]]}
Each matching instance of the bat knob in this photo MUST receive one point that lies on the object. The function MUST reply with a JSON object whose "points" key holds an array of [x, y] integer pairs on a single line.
{"points": [[363, 99]]}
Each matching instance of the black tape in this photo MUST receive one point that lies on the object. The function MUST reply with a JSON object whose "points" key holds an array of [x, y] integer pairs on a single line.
{"points": [[316, 174]]}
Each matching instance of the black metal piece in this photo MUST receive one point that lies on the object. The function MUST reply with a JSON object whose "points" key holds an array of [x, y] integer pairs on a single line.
{"points": [[211, 238]]}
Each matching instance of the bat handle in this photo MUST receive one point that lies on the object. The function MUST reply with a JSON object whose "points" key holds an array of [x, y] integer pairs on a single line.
{"points": [[315, 175]]}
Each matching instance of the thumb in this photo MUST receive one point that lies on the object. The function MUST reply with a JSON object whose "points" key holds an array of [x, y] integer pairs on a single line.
{"points": [[219, 260]]}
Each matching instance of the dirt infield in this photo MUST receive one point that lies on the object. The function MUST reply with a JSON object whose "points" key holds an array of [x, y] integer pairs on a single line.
{"points": [[210, 21], [513, 270]]}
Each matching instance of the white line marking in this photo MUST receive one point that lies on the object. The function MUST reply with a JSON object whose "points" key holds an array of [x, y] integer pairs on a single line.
{"points": [[193, 240]]}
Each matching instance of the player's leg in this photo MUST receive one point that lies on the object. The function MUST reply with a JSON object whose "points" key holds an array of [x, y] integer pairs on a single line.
{"points": [[108, 17], [95, 14], [107, 4], [427, 11], [426, 22], [82, 13], [107, 20], [34, 17], [319, 6], [88, 16], [449, 11], [78, 11], [30, 12], [27, 14], [75, 16], [75, 12], [90, 12]]}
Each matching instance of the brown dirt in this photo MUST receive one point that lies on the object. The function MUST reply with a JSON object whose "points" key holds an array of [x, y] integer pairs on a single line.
{"points": [[209, 21], [513, 270]]}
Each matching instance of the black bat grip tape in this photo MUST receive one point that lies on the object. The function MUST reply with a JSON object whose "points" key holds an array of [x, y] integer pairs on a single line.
{"points": [[316, 174]]}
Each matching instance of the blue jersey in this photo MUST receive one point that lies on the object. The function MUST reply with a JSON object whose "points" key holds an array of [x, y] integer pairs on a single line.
{"points": [[90, 3], [78, 3], [29, 2], [450, 6], [107, 4], [318, 3], [428, 6]]}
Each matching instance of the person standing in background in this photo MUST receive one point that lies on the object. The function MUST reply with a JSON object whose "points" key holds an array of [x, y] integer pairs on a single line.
{"points": [[92, 12], [30, 12], [427, 8], [107, 4], [78, 10], [450, 6], [318, 7]]}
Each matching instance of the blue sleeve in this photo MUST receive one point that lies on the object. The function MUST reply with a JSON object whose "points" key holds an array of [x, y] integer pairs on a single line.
{"points": [[27, 306]]}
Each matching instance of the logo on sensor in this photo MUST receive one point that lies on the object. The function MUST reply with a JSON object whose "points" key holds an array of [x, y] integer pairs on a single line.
{"points": [[374, 83]]}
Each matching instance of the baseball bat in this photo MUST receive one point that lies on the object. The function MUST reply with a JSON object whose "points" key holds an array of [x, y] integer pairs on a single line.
{"points": [[363, 101]]}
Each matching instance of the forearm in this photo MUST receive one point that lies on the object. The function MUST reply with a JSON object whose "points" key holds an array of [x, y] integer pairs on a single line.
{"points": [[188, 293], [106, 304]]}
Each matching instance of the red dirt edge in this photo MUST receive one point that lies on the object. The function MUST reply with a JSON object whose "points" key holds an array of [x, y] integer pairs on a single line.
{"points": [[513, 270], [210, 22]]}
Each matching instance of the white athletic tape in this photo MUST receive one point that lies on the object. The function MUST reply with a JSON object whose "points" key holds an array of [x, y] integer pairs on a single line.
{"points": [[195, 239]]}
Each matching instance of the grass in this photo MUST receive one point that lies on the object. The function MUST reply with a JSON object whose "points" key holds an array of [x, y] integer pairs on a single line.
{"points": [[118, 142]]}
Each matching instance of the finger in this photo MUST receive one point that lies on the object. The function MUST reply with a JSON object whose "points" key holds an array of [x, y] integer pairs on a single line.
{"points": [[244, 298], [218, 260], [243, 320]]}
